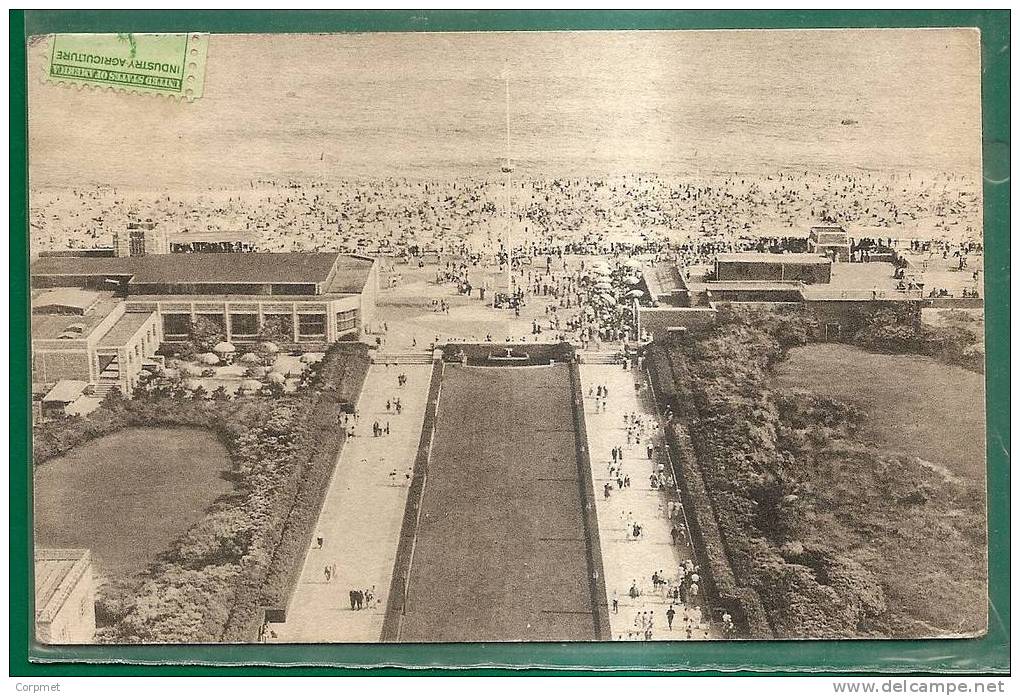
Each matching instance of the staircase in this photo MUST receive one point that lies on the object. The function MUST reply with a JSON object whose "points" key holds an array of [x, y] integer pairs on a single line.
{"points": [[109, 379], [103, 387], [424, 358], [600, 357]]}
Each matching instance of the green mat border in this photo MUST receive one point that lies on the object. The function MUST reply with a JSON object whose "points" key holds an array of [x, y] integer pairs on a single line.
{"points": [[987, 655]]}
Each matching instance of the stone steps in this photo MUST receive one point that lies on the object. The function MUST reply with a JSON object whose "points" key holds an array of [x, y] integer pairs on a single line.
{"points": [[402, 358], [606, 357]]}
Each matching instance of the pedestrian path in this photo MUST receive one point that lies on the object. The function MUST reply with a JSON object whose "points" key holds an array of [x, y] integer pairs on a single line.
{"points": [[630, 562], [361, 516]]}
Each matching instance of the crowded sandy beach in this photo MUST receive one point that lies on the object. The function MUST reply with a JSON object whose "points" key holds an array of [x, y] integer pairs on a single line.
{"points": [[396, 216]]}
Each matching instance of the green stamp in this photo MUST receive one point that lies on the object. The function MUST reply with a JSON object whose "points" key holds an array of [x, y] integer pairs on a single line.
{"points": [[168, 64]]}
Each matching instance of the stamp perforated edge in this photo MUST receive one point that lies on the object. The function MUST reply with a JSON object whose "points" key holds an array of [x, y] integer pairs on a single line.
{"points": [[41, 51]]}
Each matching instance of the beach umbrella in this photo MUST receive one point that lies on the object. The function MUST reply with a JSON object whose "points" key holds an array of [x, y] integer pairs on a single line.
{"points": [[191, 370], [224, 347], [269, 347], [310, 358], [276, 378], [209, 358], [632, 280], [249, 359], [636, 294]]}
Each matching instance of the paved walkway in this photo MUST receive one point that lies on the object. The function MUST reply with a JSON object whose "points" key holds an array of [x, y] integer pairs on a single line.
{"points": [[626, 560], [361, 516]]}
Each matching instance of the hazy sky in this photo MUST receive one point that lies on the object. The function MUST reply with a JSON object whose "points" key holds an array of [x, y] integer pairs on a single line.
{"points": [[328, 106]]}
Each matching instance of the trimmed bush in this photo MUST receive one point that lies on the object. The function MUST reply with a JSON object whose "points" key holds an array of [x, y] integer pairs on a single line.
{"points": [[211, 584]]}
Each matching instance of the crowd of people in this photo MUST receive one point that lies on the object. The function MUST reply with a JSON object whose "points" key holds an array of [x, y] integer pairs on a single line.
{"points": [[582, 215], [669, 602]]}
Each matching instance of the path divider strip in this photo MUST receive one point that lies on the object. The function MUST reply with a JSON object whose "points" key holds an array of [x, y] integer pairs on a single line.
{"points": [[593, 545], [396, 600]]}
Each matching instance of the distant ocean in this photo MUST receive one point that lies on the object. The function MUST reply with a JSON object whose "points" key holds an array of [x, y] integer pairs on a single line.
{"points": [[432, 105]]}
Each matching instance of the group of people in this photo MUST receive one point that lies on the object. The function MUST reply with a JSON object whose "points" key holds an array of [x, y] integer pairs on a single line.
{"points": [[363, 599]]}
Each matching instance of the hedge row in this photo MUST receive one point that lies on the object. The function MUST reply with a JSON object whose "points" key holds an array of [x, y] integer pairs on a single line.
{"points": [[743, 603], [720, 582], [344, 384], [336, 381]]}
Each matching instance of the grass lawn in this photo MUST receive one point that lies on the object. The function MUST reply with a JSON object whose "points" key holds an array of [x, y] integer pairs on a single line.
{"points": [[127, 495], [500, 553], [907, 498], [914, 404]]}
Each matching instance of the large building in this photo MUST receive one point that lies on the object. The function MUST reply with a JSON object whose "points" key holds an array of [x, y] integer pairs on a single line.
{"points": [[140, 239], [832, 242], [101, 319], [88, 335], [65, 597], [751, 266]]}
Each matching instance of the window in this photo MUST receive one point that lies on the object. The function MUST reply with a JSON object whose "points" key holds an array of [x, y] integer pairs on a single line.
{"points": [[176, 325], [311, 326], [244, 325], [346, 322]]}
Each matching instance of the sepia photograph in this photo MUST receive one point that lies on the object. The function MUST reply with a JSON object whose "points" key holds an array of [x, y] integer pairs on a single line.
{"points": [[537, 336]]}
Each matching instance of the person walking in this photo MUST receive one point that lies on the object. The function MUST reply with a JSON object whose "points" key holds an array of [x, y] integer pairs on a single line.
{"points": [[616, 603], [670, 614]]}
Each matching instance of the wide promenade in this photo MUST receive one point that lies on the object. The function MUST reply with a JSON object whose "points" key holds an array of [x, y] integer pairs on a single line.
{"points": [[361, 516]]}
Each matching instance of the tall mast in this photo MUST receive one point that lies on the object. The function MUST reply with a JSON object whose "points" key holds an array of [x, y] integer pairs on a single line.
{"points": [[508, 169]]}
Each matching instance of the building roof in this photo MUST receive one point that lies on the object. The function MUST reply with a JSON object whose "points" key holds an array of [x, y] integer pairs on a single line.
{"points": [[351, 275], [65, 391], [831, 234], [73, 326], [57, 571], [84, 265], [788, 259], [79, 301], [296, 267], [757, 285], [214, 236], [171, 269], [126, 327]]}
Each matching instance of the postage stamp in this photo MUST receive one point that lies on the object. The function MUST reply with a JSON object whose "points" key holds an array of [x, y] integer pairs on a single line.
{"points": [[168, 64]]}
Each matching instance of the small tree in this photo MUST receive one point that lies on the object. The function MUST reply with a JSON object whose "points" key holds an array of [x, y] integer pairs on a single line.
{"points": [[203, 335], [276, 329]]}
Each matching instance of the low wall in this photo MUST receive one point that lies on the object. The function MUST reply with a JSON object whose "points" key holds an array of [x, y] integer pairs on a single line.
{"points": [[522, 354], [657, 321], [395, 600], [593, 544]]}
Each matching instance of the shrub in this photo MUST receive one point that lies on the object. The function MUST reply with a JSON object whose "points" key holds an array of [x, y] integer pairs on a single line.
{"points": [[213, 580]]}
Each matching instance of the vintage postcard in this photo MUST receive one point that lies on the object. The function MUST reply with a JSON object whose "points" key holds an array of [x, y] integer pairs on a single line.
{"points": [[507, 336]]}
